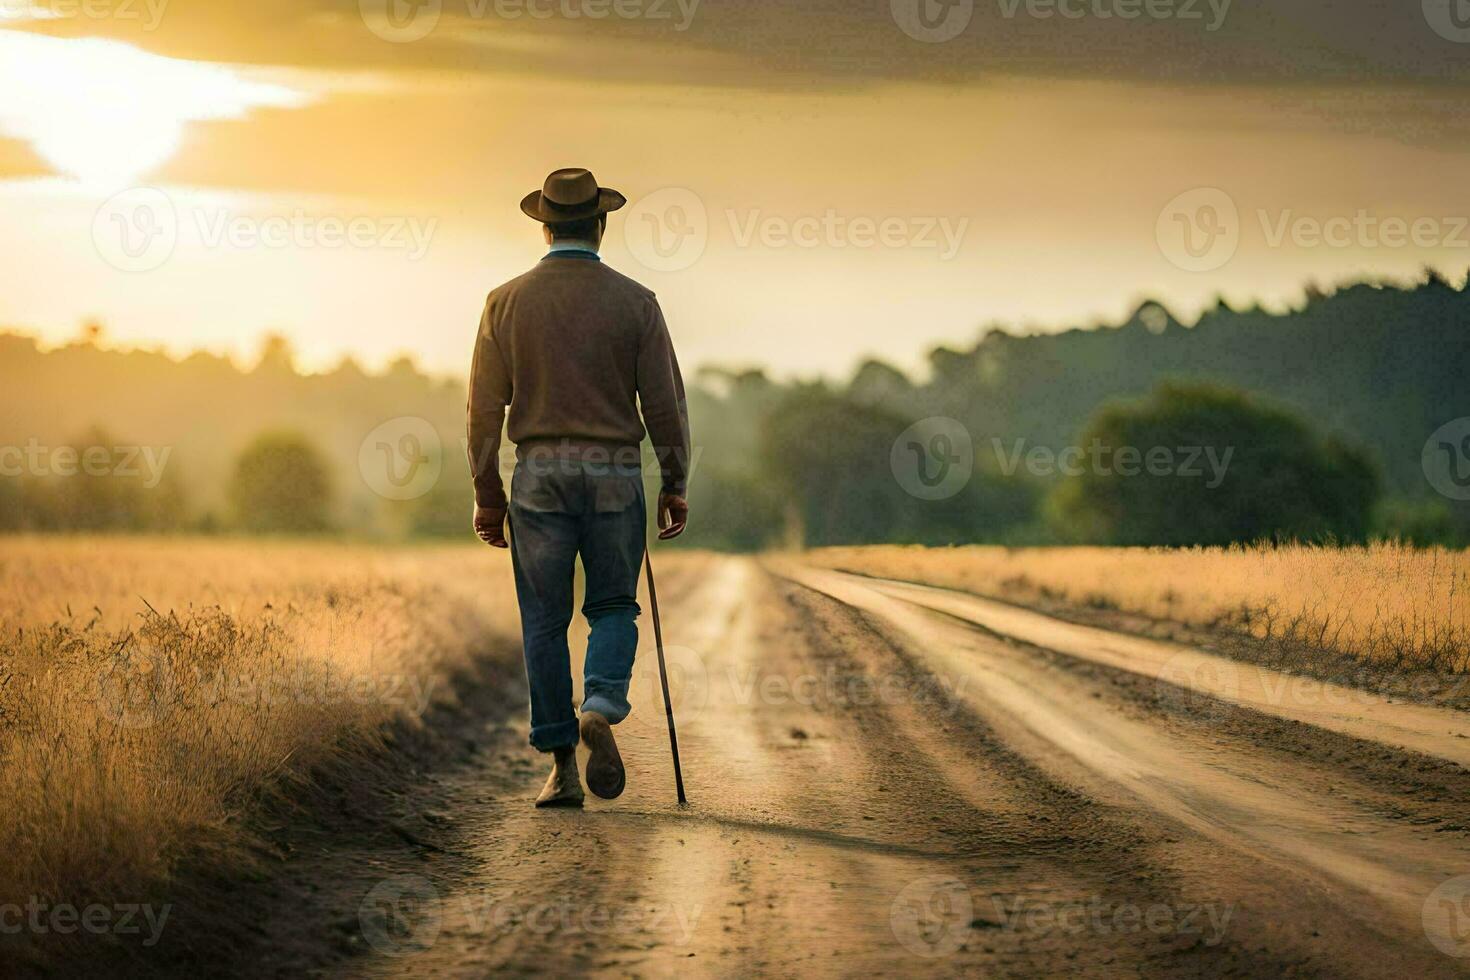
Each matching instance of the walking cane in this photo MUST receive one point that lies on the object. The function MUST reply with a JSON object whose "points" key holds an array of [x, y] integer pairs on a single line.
{"points": [[663, 675]]}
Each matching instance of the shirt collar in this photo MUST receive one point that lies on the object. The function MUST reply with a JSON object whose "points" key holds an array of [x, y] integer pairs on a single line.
{"points": [[573, 250]]}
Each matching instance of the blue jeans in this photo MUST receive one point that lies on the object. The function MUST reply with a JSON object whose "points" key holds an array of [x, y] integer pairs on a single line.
{"points": [[560, 509]]}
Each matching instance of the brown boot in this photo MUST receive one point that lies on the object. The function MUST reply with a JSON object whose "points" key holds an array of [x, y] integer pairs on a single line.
{"points": [[564, 785], [605, 774]]}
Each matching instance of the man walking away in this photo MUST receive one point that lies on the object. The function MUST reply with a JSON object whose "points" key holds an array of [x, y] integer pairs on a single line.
{"points": [[574, 350]]}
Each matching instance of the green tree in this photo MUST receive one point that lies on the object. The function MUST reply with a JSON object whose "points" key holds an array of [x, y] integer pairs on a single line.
{"points": [[281, 485], [1279, 479], [829, 459]]}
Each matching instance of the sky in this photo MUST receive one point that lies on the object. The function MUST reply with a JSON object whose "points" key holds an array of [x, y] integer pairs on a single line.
{"points": [[810, 184]]}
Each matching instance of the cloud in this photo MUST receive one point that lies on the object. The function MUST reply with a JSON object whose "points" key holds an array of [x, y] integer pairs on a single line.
{"points": [[17, 159], [98, 109], [778, 44]]}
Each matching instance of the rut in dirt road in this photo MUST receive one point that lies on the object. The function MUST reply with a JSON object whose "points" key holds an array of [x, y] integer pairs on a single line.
{"points": [[880, 787]]}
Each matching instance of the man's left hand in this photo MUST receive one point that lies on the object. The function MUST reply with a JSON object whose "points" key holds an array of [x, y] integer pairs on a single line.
{"points": [[673, 515], [490, 526]]}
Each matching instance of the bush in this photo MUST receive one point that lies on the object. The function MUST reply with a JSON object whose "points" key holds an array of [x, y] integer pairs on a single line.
{"points": [[1279, 481], [281, 485], [1422, 523]]}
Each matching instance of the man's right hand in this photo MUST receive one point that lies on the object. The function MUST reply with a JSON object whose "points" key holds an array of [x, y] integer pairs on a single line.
{"points": [[673, 515]]}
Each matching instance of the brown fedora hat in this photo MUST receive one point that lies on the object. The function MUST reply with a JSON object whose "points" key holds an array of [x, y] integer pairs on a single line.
{"points": [[571, 195]]}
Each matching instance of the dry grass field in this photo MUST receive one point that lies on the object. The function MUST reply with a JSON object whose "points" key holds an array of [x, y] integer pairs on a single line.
{"points": [[1393, 606], [150, 689]]}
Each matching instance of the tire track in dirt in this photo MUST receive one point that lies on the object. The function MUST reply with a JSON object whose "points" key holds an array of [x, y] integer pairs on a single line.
{"points": [[1076, 863], [1438, 732], [1321, 880]]}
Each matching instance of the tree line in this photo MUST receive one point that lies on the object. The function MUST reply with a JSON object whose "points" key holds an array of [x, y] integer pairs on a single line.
{"points": [[1307, 424]]}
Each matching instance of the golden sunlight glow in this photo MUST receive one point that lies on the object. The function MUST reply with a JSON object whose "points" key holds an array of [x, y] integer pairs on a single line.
{"points": [[108, 113]]}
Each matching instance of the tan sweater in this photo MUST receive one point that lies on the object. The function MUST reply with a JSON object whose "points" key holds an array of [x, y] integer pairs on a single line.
{"points": [[574, 348]]}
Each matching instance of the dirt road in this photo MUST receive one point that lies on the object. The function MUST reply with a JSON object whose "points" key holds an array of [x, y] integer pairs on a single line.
{"points": [[892, 780]]}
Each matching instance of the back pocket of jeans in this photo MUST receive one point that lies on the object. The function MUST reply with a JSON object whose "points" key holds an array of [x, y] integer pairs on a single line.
{"points": [[614, 494], [535, 492]]}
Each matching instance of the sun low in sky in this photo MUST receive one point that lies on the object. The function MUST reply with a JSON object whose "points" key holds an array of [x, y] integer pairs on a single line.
{"points": [[109, 114], [810, 184]]}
